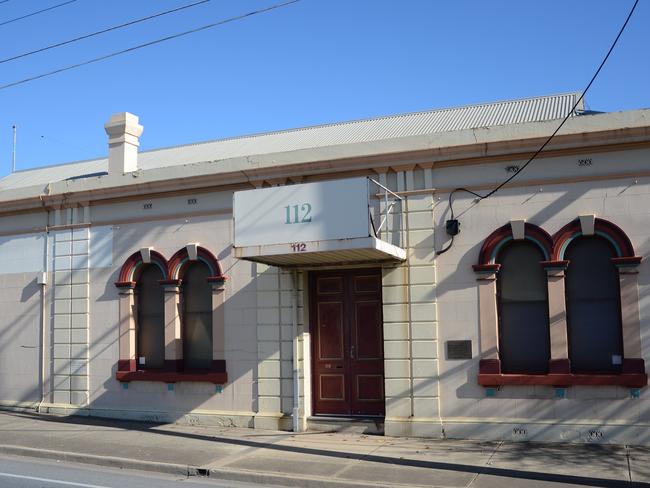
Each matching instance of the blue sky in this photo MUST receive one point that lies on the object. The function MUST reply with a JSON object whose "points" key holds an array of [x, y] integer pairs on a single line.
{"points": [[313, 62]]}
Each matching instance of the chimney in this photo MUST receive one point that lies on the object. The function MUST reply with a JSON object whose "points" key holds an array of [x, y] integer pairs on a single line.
{"points": [[123, 140]]}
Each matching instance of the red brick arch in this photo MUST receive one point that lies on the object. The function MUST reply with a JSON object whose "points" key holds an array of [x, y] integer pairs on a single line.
{"points": [[132, 267], [612, 232], [497, 239], [180, 260]]}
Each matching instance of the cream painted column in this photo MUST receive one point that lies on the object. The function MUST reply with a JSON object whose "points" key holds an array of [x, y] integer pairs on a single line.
{"points": [[271, 368], [381, 176], [398, 364], [127, 361], [218, 321], [173, 337], [630, 317], [488, 319], [410, 329], [428, 175], [559, 362], [630, 314], [61, 317], [304, 354], [398, 389], [71, 316], [423, 314], [286, 341], [405, 179], [80, 317]]}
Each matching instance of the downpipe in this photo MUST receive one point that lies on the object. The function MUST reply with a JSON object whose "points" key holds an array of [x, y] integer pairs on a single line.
{"points": [[295, 417], [43, 286]]}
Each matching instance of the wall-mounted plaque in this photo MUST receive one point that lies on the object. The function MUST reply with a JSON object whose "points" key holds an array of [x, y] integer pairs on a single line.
{"points": [[459, 349]]}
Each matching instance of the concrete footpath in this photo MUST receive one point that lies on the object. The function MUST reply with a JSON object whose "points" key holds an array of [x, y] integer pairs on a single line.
{"points": [[316, 459]]}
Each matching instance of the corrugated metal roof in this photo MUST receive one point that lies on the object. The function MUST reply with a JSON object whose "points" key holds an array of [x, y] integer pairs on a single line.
{"points": [[389, 127]]}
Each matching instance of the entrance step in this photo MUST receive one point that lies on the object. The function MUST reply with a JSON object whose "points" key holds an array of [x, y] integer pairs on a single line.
{"points": [[353, 425]]}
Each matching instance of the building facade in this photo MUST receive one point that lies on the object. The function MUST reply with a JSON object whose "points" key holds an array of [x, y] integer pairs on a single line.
{"points": [[131, 288]]}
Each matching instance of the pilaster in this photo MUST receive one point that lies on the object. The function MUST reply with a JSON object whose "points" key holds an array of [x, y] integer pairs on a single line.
{"points": [[410, 327], [488, 319], [173, 334], [272, 367], [630, 314], [127, 359], [559, 338], [218, 321], [70, 319]]}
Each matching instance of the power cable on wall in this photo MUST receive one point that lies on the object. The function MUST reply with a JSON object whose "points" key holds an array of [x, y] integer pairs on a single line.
{"points": [[452, 225], [103, 31], [147, 44], [36, 13]]}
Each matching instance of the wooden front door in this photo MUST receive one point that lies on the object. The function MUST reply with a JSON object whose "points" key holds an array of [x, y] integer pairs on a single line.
{"points": [[347, 342]]}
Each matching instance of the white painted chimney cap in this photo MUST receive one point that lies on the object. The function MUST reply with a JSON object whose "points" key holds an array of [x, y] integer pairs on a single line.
{"points": [[124, 133]]}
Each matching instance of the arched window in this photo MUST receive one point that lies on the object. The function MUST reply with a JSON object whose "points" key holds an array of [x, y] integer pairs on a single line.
{"points": [[183, 346], [150, 321], [593, 306], [524, 344], [197, 316]]}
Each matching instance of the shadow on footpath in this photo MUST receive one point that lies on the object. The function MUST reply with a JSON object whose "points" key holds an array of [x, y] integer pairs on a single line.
{"points": [[597, 453]]}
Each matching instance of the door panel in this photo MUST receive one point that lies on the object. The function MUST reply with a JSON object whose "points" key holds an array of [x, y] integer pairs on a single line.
{"points": [[347, 345], [332, 387], [368, 336], [367, 284], [370, 387], [330, 331], [332, 284]]}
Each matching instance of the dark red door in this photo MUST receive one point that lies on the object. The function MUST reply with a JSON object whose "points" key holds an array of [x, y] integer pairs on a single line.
{"points": [[347, 345]]}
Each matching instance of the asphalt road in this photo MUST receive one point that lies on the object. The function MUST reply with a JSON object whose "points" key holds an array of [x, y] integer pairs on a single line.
{"points": [[37, 473]]}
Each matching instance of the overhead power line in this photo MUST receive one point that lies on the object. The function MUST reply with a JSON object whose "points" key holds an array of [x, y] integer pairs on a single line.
{"points": [[37, 12], [4, 1], [103, 31], [548, 140], [147, 44]]}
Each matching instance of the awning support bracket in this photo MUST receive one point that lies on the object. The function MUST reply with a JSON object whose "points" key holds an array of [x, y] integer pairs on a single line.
{"points": [[387, 206]]}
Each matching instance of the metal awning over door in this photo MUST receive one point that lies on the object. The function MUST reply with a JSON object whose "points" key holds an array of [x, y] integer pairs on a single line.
{"points": [[314, 224]]}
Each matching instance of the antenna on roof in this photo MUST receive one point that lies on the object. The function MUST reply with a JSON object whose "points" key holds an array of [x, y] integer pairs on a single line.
{"points": [[13, 152]]}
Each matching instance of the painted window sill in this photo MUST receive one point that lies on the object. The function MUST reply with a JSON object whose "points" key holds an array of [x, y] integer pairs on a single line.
{"points": [[217, 378], [630, 380]]}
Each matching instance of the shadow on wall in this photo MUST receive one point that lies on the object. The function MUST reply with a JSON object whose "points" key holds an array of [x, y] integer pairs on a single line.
{"points": [[153, 401], [546, 209], [32, 288], [162, 404], [184, 402], [156, 401], [644, 310], [20, 339]]}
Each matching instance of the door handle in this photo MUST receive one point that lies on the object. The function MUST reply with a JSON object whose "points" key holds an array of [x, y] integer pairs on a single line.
{"points": [[352, 352]]}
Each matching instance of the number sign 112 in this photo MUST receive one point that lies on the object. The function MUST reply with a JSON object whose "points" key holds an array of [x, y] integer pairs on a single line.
{"points": [[297, 214]]}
